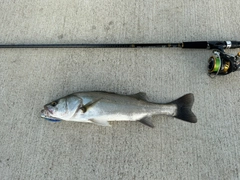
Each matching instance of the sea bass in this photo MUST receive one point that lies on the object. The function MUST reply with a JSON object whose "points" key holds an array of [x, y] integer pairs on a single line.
{"points": [[101, 107]]}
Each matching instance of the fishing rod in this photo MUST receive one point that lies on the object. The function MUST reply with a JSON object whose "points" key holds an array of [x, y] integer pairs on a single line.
{"points": [[220, 63]]}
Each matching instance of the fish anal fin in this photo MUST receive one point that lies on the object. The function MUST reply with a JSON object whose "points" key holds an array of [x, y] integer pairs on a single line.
{"points": [[147, 121], [100, 122], [140, 96]]}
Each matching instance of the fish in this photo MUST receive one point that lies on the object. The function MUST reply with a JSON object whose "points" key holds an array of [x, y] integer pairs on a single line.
{"points": [[100, 108]]}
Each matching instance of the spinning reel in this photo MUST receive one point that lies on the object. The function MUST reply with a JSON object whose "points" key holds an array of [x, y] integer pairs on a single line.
{"points": [[220, 63]]}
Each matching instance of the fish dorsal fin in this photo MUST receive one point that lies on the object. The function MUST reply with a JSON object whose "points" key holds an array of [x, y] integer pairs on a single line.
{"points": [[100, 122], [140, 96], [147, 121]]}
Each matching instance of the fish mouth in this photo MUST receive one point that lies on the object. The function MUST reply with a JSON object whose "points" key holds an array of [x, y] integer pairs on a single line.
{"points": [[46, 113], [48, 110]]}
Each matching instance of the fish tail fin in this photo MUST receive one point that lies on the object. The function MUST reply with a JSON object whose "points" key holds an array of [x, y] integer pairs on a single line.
{"points": [[184, 108]]}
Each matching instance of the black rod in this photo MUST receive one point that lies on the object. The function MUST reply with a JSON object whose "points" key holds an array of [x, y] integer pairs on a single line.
{"points": [[192, 45], [151, 45]]}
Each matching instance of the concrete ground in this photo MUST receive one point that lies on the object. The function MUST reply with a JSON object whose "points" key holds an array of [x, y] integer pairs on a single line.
{"points": [[32, 148]]}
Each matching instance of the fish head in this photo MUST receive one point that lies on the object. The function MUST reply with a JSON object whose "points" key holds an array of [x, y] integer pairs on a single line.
{"points": [[61, 109]]}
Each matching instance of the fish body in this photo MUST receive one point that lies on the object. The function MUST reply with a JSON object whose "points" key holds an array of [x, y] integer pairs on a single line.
{"points": [[101, 107]]}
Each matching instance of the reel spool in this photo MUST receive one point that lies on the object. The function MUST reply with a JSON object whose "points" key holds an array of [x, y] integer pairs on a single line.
{"points": [[221, 63]]}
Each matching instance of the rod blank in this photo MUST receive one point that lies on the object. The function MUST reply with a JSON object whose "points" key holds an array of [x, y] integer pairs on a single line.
{"points": [[153, 45]]}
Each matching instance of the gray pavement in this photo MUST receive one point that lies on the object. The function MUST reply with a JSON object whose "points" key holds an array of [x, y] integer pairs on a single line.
{"points": [[32, 148]]}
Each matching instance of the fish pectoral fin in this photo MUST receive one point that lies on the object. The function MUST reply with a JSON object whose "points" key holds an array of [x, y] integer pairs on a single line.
{"points": [[140, 96], [147, 121], [100, 122], [85, 107]]}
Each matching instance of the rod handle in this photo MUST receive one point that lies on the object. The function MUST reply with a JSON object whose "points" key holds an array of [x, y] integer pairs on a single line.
{"points": [[195, 45], [211, 45], [235, 44]]}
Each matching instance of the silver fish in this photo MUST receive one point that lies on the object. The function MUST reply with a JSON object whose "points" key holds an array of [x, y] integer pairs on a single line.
{"points": [[101, 107]]}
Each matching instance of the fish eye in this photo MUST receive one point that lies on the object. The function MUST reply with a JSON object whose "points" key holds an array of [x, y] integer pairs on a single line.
{"points": [[53, 103]]}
